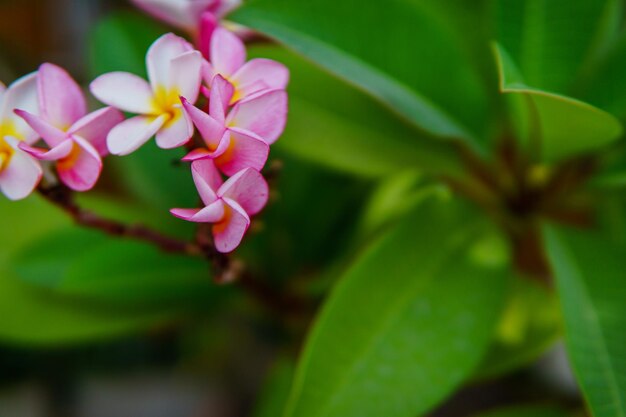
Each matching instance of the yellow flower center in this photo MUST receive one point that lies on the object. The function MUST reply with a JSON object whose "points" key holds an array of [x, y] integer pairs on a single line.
{"points": [[7, 128], [70, 160], [166, 102]]}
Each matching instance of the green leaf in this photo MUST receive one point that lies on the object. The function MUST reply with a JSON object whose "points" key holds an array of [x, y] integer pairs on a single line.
{"points": [[406, 325], [87, 265], [275, 392], [120, 41], [527, 411], [396, 52], [531, 323], [353, 133], [589, 273], [552, 126], [554, 41]]}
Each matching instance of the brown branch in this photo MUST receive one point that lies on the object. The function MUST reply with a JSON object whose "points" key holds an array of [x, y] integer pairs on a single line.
{"points": [[63, 197]]}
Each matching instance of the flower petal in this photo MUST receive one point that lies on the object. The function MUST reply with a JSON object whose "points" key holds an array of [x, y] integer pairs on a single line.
{"points": [[212, 213], [248, 188], [197, 154], [210, 129], [129, 135], [245, 150], [47, 131], [264, 114], [21, 94], [207, 179], [124, 91], [258, 74], [175, 132], [208, 24], [185, 75], [60, 151], [221, 94], [229, 233], [61, 101], [228, 52], [96, 126], [21, 175], [81, 169], [159, 57]]}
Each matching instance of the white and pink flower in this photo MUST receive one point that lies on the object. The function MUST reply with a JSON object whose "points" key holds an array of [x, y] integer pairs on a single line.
{"points": [[19, 172], [173, 71], [76, 140], [228, 205]]}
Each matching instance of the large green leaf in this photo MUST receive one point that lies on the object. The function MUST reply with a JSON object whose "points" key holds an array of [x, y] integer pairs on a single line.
{"points": [[551, 126], [589, 272], [32, 316], [333, 124], [407, 323], [87, 265], [554, 41], [396, 51]]}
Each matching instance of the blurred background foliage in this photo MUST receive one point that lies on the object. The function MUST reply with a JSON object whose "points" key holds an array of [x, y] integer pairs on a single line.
{"points": [[83, 314]]}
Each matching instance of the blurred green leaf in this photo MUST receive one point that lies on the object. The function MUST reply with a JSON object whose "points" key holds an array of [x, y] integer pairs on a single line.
{"points": [[553, 41], [87, 265], [554, 127], [120, 41], [590, 275], [353, 132], [406, 325], [275, 392], [396, 51], [527, 411], [531, 323]]}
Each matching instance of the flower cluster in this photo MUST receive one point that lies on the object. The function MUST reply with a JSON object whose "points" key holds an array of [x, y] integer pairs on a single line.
{"points": [[237, 108]]}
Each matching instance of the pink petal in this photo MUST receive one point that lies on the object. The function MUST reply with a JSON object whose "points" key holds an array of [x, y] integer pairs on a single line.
{"points": [[221, 94], [245, 150], [229, 233], [81, 169], [207, 179], [175, 132], [61, 100], [159, 57], [129, 135], [180, 14], [96, 126], [248, 188], [60, 151], [47, 131], [208, 24], [264, 114], [212, 213], [124, 91], [228, 52], [21, 94], [258, 74], [21, 174], [196, 154], [185, 75], [210, 129]]}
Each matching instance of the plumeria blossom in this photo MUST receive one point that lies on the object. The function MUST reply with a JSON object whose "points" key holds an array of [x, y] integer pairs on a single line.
{"points": [[174, 69], [228, 205], [76, 139], [240, 139], [19, 172], [186, 14], [227, 57]]}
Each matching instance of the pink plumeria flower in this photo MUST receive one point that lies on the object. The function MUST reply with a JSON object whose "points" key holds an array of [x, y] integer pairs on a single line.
{"points": [[227, 56], [76, 139], [228, 205], [19, 172], [186, 14], [174, 71], [241, 139]]}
